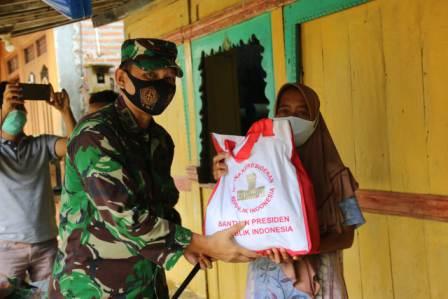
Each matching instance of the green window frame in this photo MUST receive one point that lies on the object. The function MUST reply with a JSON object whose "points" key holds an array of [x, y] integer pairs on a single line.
{"points": [[259, 26], [303, 11], [181, 62]]}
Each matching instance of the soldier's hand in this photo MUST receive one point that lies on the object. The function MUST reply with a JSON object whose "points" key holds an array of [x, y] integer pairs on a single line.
{"points": [[219, 165], [222, 246], [204, 261], [12, 96]]}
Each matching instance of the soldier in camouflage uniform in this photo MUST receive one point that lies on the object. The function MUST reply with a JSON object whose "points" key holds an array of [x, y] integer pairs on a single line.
{"points": [[118, 226]]}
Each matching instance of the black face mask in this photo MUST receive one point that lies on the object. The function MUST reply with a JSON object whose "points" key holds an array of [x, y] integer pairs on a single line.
{"points": [[151, 96]]}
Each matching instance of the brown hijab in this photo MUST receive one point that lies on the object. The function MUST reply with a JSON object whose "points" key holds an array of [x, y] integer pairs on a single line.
{"points": [[333, 182]]}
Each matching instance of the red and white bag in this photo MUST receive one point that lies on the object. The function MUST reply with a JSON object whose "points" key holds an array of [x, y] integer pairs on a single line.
{"points": [[267, 188]]}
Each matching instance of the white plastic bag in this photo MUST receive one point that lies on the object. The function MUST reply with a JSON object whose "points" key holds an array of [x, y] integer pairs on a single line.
{"points": [[267, 188]]}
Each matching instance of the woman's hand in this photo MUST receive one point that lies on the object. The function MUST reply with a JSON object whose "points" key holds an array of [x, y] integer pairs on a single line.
{"points": [[280, 256], [219, 165]]}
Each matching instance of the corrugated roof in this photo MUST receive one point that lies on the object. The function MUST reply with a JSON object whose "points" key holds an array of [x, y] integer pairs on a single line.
{"points": [[19, 17]]}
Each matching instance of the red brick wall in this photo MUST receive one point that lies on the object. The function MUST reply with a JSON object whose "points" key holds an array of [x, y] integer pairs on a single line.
{"points": [[107, 49]]}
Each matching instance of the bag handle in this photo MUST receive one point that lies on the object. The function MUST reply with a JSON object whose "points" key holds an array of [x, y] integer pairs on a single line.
{"points": [[264, 127]]}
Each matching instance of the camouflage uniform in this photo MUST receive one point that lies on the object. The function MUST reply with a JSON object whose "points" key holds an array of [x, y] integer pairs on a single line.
{"points": [[118, 227]]}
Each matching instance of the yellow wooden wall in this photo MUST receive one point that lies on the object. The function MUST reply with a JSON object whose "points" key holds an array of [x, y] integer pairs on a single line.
{"points": [[162, 16], [379, 71], [190, 203]]}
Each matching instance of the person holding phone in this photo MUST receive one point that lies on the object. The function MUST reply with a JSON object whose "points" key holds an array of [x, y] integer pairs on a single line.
{"points": [[27, 218]]}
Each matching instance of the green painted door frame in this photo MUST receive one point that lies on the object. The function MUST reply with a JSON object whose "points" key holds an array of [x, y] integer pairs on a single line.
{"points": [[302, 11], [181, 62], [260, 27]]}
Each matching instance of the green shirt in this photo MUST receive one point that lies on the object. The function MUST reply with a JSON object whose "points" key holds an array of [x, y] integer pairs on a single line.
{"points": [[118, 227]]}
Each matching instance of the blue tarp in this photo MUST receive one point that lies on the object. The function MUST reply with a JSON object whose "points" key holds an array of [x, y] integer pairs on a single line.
{"points": [[73, 9]]}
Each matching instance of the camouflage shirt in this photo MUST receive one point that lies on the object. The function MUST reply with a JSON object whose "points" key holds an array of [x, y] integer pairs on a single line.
{"points": [[118, 227]]}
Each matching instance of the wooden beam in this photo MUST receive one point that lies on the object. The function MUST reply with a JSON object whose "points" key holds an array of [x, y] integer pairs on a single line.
{"points": [[100, 7], [29, 30], [423, 206], [30, 23], [225, 18], [6, 28], [27, 16], [414, 205], [12, 8], [9, 3], [117, 12], [19, 17]]}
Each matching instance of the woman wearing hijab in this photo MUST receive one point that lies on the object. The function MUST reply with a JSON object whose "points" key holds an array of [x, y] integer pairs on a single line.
{"points": [[313, 276]]}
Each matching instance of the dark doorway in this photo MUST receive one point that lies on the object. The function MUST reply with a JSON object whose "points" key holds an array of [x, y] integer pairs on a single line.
{"points": [[233, 97]]}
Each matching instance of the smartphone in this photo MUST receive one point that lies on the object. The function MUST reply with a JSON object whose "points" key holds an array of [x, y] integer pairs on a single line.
{"points": [[30, 91], [35, 92]]}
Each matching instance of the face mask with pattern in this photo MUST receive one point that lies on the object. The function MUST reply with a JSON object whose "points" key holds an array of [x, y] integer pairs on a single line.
{"points": [[151, 96]]}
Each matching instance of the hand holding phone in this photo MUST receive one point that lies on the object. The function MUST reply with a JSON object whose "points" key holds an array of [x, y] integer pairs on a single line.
{"points": [[11, 95], [60, 100], [24, 91]]}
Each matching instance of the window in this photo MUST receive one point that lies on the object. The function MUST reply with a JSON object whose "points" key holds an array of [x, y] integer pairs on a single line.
{"points": [[29, 53], [220, 68], [13, 64], [233, 96], [31, 78], [41, 45], [44, 75], [100, 78]]}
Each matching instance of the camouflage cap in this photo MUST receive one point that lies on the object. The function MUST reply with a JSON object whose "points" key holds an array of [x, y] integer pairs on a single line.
{"points": [[151, 54]]}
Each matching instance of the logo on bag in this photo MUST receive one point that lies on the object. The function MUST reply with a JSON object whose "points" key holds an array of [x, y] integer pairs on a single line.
{"points": [[253, 188], [253, 191]]}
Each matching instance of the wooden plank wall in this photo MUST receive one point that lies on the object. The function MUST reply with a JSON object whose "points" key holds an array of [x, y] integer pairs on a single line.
{"points": [[378, 69], [225, 280], [190, 203]]}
